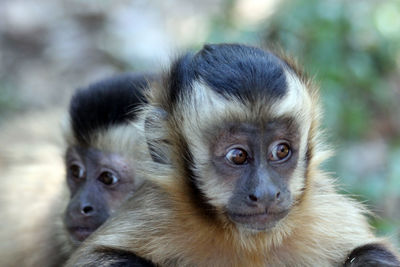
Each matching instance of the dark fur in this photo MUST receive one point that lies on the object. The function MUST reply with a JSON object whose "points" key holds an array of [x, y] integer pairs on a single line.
{"points": [[245, 72], [122, 259], [231, 70], [371, 255], [106, 103], [180, 76]]}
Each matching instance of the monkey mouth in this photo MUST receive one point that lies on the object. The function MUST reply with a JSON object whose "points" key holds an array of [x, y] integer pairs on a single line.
{"points": [[258, 221], [80, 233]]}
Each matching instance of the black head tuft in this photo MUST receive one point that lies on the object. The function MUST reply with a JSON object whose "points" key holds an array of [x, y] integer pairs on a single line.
{"points": [[106, 103], [180, 76], [241, 71], [231, 70]]}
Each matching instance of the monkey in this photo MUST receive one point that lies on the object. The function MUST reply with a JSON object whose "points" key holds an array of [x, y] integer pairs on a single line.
{"points": [[236, 131], [99, 178]]}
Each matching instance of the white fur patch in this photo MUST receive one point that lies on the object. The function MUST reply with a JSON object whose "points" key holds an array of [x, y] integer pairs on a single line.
{"points": [[297, 103], [121, 139]]}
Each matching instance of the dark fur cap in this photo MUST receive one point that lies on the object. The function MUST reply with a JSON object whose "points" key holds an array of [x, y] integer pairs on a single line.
{"points": [[105, 104], [232, 70]]}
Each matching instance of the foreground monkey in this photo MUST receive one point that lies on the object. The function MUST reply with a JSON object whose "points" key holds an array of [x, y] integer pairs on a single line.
{"points": [[237, 182], [99, 177]]}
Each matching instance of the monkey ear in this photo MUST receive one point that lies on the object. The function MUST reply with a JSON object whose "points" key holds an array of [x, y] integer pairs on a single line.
{"points": [[156, 135]]}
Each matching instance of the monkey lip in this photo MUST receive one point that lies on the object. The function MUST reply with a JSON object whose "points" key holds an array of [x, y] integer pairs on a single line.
{"points": [[80, 233], [258, 221]]}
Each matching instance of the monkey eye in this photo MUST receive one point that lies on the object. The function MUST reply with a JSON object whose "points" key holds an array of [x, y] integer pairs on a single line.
{"points": [[237, 156], [108, 178], [280, 152], [76, 171]]}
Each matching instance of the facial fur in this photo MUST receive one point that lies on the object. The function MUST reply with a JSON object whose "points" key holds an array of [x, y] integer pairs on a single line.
{"points": [[225, 114], [99, 182]]}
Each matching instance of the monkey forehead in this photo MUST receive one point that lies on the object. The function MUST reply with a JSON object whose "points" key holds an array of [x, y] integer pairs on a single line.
{"points": [[98, 157], [205, 106], [124, 139]]}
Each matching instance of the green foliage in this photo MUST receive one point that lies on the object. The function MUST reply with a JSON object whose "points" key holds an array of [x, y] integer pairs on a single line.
{"points": [[350, 49]]}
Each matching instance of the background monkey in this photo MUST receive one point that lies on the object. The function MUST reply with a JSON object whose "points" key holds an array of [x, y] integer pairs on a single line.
{"points": [[239, 184], [41, 225], [99, 176]]}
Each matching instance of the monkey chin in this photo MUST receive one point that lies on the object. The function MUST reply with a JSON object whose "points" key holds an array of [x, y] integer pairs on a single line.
{"points": [[258, 222], [78, 234]]}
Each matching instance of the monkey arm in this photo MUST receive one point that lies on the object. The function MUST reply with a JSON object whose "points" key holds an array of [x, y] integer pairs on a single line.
{"points": [[374, 254], [117, 258]]}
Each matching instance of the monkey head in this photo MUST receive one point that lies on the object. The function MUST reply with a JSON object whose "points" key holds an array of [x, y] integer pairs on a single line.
{"points": [[100, 130], [238, 124]]}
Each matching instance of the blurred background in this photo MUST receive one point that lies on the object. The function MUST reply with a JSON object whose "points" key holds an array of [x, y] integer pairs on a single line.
{"points": [[352, 48]]}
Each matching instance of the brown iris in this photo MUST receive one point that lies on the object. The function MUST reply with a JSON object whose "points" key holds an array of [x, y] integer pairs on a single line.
{"points": [[280, 152], [76, 171], [108, 178], [237, 156]]}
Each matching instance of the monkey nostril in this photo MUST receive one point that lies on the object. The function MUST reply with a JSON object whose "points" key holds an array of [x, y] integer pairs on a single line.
{"points": [[87, 210], [278, 195], [253, 198]]}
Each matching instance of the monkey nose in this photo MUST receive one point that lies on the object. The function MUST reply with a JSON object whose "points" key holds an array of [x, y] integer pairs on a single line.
{"points": [[87, 210], [266, 197]]}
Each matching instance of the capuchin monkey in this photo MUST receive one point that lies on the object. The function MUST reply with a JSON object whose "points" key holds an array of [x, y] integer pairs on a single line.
{"points": [[99, 176], [237, 180]]}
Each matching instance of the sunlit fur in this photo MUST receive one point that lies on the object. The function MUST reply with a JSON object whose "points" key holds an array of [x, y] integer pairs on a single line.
{"points": [[173, 225]]}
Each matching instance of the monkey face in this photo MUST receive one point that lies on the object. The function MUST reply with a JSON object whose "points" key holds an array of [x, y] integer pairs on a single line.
{"points": [[98, 182], [255, 164], [249, 157], [238, 125]]}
